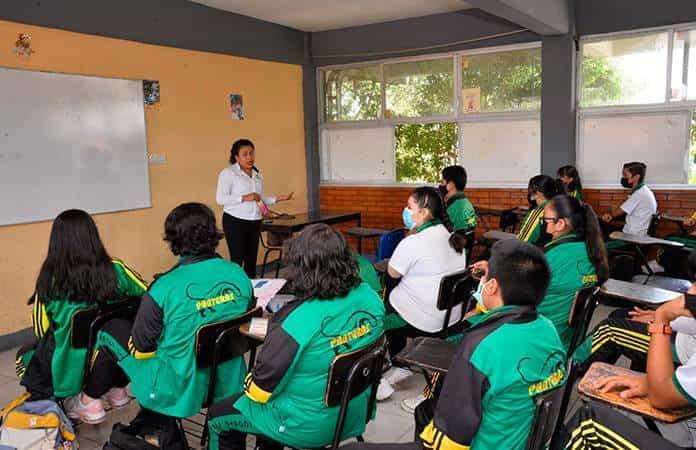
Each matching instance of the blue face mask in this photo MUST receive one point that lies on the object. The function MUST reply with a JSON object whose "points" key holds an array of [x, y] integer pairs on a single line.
{"points": [[478, 296], [407, 216]]}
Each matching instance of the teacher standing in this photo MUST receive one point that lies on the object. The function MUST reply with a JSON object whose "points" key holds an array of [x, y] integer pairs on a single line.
{"points": [[240, 192]]}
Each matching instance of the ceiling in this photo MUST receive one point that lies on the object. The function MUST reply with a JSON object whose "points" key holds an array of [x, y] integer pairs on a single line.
{"points": [[320, 15]]}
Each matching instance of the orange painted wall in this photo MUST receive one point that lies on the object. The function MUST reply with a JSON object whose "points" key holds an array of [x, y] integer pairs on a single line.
{"points": [[191, 125]]}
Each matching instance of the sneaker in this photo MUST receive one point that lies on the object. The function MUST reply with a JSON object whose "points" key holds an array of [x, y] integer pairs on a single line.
{"points": [[396, 375], [384, 390], [117, 398], [409, 404], [92, 412]]}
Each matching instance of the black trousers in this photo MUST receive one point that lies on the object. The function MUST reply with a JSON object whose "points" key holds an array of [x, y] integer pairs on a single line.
{"points": [[105, 372], [242, 238]]}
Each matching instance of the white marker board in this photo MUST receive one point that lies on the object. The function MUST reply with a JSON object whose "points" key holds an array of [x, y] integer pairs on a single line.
{"points": [[501, 152], [70, 141], [365, 154], [661, 140]]}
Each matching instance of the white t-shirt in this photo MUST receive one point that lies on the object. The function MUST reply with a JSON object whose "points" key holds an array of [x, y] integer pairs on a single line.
{"points": [[423, 259], [685, 340], [639, 207]]}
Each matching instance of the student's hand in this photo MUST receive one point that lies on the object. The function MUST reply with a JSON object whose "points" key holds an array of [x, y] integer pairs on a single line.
{"points": [[671, 310], [479, 269], [252, 197], [629, 385], [284, 198], [642, 315], [689, 222], [607, 218]]}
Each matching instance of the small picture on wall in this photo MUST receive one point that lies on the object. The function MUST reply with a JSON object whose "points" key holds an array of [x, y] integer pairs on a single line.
{"points": [[151, 91], [237, 107]]}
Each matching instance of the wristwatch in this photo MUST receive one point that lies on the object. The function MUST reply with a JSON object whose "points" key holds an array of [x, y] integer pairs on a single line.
{"points": [[659, 328]]}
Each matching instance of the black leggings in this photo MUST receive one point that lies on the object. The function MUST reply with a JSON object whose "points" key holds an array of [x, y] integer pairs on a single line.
{"points": [[104, 372], [242, 238]]}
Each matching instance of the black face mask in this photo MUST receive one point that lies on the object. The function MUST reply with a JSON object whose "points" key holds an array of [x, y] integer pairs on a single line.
{"points": [[443, 189], [625, 183]]}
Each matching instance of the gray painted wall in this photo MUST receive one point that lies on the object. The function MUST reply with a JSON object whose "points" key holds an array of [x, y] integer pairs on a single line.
{"points": [[173, 23], [606, 16]]}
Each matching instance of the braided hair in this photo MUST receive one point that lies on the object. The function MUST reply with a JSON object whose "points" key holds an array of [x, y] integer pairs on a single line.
{"points": [[429, 198]]}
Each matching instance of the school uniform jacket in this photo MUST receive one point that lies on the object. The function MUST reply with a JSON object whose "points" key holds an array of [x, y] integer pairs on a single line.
{"points": [[531, 229], [461, 212], [285, 392], [506, 358]]}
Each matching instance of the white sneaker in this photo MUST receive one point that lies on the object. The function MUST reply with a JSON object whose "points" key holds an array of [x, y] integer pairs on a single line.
{"points": [[92, 412], [384, 390], [117, 397], [409, 404], [396, 375]]}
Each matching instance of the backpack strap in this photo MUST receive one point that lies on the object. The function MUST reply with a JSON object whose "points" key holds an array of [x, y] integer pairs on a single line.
{"points": [[13, 404]]}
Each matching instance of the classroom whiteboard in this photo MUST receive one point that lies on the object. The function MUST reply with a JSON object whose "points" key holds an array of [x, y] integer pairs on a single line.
{"points": [[365, 154], [70, 141], [500, 152], [661, 140]]}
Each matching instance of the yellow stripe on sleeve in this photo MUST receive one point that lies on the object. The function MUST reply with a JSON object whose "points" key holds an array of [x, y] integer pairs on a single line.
{"points": [[254, 392], [136, 353], [40, 322], [132, 274]]}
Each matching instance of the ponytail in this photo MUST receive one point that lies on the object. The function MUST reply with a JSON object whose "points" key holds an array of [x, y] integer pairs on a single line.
{"points": [[585, 224], [432, 199]]}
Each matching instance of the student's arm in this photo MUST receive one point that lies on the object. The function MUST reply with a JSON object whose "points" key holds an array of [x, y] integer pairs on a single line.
{"points": [[402, 259], [147, 328], [130, 283], [615, 213], [39, 318], [274, 365]]}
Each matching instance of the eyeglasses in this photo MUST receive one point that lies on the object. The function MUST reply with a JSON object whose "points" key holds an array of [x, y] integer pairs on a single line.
{"points": [[543, 220]]}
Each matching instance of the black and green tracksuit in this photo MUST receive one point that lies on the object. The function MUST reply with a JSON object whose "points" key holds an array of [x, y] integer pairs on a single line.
{"points": [[487, 401], [461, 212], [285, 392], [160, 357], [52, 326], [571, 270], [531, 229]]}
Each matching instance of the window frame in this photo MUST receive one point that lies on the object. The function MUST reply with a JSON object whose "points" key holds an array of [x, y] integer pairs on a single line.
{"points": [[457, 116], [667, 104]]}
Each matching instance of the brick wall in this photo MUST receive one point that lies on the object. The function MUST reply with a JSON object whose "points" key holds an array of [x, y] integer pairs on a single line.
{"points": [[381, 206]]}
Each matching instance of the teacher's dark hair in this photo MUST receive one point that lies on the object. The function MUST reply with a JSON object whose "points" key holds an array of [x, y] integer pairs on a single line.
{"points": [[321, 264], [191, 231], [427, 197], [585, 225], [77, 267], [237, 146]]}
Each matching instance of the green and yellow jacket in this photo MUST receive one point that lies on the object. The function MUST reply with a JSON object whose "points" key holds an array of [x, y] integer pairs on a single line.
{"points": [[285, 392], [461, 212], [52, 320], [571, 270], [368, 274], [531, 229]]}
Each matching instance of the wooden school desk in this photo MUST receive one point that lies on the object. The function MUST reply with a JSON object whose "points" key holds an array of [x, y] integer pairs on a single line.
{"points": [[642, 241], [637, 293]]}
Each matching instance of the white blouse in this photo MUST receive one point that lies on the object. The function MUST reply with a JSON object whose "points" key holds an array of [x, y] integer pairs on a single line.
{"points": [[233, 184]]}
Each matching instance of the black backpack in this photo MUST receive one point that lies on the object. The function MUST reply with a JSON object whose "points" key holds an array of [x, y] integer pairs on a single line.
{"points": [[148, 431]]}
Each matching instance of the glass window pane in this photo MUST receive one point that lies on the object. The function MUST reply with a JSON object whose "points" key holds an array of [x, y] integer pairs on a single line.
{"points": [[501, 81], [423, 150], [625, 71], [352, 94], [419, 88], [684, 66]]}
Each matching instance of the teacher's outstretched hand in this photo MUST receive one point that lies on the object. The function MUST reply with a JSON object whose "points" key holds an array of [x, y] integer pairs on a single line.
{"points": [[240, 192]]}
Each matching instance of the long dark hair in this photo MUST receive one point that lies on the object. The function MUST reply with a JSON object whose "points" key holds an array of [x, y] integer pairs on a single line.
{"points": [[77, 267], [237, 146], [584, 223], [548, 186], [430, 198], [191, 231], [321, 264], [571, 172]]}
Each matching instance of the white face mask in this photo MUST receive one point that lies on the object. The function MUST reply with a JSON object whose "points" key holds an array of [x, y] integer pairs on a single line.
{"points": [[478, 295]]}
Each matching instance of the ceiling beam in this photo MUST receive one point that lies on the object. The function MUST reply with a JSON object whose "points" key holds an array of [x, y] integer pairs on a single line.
{"points": [[545, 17]]}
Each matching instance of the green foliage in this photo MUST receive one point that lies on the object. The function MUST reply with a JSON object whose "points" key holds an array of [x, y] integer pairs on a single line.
{"points": [[423, 150], [601, 84], [420, 96]]}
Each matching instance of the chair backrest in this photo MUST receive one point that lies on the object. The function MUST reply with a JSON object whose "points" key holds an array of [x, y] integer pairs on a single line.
{"points": [[388, 242], [221, 341], [82, 322], [654, 220], [572, 373], [545, 418], [508, 220], [455, 289], [584, 304], [470, 240], [350, 375]]}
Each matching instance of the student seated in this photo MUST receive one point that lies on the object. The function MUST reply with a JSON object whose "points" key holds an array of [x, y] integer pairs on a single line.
{"points": [[570, 178], [157, 353], [673, 260], [540, 190], [639, 207], [419, 262], [77, 274], [333, 313], [506, 359], [625, 333], [460, 210], [576, 256], [664, 386]]}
